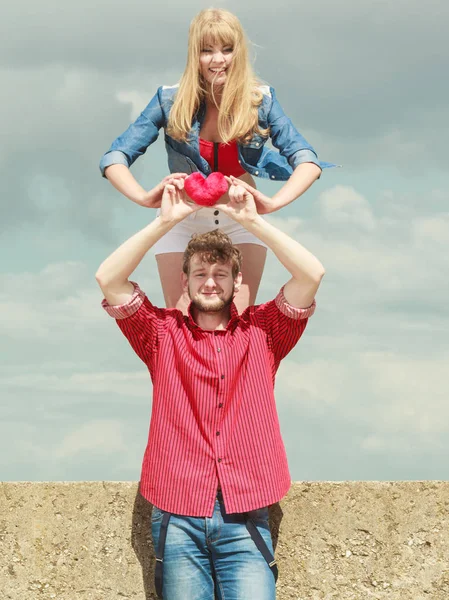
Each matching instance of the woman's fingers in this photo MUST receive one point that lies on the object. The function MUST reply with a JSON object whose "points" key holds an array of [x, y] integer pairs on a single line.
{"points": [[175, 179], [176, 176], [246, 186], [236, 181]]}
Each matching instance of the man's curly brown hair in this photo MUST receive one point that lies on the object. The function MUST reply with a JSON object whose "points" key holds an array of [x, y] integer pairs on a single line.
{"points": [[213, 247]]}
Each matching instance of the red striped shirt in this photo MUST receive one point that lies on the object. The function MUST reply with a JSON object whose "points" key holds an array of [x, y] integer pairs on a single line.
{"points": [[214, 419]]}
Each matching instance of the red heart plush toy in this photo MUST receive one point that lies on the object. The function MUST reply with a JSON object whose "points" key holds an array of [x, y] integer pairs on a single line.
{"points": [[205, 191]]}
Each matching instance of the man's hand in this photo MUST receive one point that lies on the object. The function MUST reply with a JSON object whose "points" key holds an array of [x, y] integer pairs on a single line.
{"points": [[175, 204], [241, 206], [153, 198], [264, 204], [114, 272]]}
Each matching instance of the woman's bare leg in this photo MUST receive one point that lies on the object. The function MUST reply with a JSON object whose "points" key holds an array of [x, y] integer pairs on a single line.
{"points": [[252, 268], [170, 269]]}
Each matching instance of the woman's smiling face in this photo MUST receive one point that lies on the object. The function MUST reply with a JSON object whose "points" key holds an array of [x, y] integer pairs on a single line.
{"points": [[215, 59]]}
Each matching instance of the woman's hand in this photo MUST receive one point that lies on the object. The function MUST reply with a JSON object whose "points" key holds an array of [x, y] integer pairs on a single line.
{"points": [[153, 198], [264, 204]]}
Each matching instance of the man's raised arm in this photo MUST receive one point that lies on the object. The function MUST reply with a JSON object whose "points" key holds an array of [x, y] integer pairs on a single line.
{"points": [[113, 273], [305, 268]]}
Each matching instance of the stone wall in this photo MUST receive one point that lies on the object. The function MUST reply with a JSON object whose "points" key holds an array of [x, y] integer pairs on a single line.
{"points": [[345, 541]]}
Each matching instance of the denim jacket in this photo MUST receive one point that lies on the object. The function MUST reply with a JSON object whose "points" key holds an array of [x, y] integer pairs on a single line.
{"points": [[184, 157]]}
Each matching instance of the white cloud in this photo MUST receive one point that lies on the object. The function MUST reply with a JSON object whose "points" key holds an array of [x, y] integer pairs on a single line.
{"points": [[136, 99], [373, 443], [289, 225], [343, 205], [370, 259], [56, 188], [316, 382], [99, 437], [51, 303], [433, 230], [21, 442], [399, 397], [53, 279], [413, 392], [134, 384]]}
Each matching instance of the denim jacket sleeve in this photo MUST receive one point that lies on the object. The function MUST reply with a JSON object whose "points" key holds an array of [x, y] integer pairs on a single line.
{"points": [[286, 138], [136, 139]]}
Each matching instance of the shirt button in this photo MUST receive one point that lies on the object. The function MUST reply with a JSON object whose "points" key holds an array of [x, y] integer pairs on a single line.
{"points": [[219, 460], [216, 222], [222, 376], [216, 212], [218, 433], [220, 405], [218, 349], [273, 177], [257, 144], [256, 172]]}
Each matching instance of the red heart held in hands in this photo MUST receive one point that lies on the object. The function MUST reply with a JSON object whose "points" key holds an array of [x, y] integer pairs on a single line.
{"points": [[205, 191]]}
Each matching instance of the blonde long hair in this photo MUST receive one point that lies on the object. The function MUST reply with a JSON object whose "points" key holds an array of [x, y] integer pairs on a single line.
{"points": [[238, 109]]}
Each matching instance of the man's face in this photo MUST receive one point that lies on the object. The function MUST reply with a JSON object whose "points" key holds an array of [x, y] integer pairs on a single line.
{"points": [[211, 287]]}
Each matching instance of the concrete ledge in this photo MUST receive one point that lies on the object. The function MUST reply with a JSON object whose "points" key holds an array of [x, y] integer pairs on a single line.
{"points": [[345, 541]]}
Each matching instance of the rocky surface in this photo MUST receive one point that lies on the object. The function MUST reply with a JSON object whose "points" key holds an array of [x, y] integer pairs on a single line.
{"points": [[345, 541]]}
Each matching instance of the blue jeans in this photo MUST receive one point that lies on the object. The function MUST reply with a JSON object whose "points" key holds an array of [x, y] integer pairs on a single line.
{"points": [[215, 558]]}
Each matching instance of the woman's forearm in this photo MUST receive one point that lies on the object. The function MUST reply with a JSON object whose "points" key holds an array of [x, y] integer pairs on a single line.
{"points": [[123, 181], [301, 179]]}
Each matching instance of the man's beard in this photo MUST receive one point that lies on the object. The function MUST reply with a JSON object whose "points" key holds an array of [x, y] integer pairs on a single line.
{"points": [[217, 306]]}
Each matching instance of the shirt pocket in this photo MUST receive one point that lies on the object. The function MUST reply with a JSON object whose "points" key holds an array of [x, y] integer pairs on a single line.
{"points": [[256, 142], [252, 151]]}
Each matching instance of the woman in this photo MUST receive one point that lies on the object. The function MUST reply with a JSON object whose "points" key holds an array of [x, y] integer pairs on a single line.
{"points": [[218, 118]]}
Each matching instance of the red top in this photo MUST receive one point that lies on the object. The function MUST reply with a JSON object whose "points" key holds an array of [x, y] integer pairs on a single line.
{"points": [[214, 417], [222, 157]]}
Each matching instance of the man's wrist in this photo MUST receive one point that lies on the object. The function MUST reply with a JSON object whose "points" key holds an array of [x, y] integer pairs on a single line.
{"points": [[252, 222], [169, 221]]}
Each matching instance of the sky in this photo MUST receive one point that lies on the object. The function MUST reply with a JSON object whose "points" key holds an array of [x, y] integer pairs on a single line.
{"points": [[365, 393]]}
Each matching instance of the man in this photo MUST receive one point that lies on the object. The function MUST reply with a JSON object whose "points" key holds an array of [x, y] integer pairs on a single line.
{"points": [[215, 459]]}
